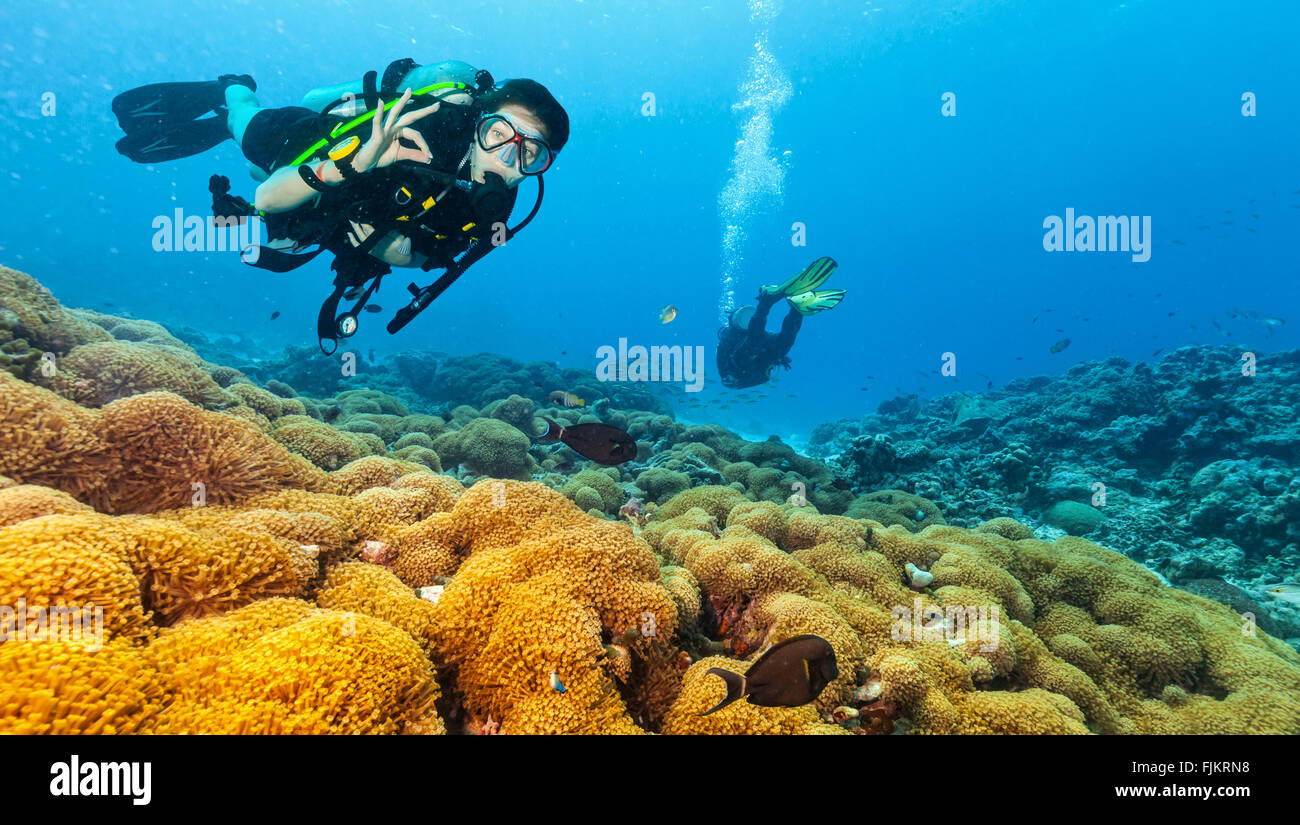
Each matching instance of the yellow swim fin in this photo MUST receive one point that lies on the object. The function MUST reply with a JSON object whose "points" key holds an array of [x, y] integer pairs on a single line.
{"points": [[813, 276]]}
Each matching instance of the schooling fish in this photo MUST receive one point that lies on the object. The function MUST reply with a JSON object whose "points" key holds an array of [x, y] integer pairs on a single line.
{"points": [[791, 674], [1060, 345], [602, 443], [565, 399]]}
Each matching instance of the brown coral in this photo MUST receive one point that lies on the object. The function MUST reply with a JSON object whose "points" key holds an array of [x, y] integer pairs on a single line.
{"points": [[24, 501], [97, 373], [139, 454]]}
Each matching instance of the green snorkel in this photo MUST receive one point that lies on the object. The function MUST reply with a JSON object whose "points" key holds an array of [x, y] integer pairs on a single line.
{"points": [[484, 82]]}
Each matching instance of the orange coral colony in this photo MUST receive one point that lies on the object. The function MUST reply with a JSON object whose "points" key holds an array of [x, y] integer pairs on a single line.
{"points": [[184, 552]]}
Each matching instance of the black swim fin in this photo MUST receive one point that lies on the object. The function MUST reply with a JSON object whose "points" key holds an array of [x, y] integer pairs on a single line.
{"points": [[164, 121], [179, 141]]}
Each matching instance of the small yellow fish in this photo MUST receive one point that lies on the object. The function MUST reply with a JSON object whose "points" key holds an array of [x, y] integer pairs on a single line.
{"points": [[566, 399], [667, 314]]}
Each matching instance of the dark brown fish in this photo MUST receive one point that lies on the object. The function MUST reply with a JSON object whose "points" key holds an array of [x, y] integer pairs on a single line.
{"points": [[602, 443], [331, 413], [790, 674], [275, 315]]}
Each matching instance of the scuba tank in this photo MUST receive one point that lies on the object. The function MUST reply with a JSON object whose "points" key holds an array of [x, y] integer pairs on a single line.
{"points": [[403, 197], [346, 99]]}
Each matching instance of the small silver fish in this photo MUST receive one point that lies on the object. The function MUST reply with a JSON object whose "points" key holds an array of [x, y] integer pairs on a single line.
{"points": [[1287, 592]]}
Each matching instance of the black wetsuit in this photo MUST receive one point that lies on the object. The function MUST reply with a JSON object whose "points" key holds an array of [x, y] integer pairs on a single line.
{"points": [[747, 356], [275, 136]]}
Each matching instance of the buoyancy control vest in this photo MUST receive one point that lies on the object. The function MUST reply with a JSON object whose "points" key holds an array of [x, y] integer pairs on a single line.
{"points": [[450, 220]]}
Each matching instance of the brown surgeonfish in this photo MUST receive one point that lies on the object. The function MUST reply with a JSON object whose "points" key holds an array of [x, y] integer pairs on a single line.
{"points": [[602, 443], [790, 674]]}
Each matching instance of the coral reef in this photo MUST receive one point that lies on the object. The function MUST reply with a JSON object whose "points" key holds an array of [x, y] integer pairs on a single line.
{"points": [[1186, 465], [268, 552], [487, 447], [139, 454]]}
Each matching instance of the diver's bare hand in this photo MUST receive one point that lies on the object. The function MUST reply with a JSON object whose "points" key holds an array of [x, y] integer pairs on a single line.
{"points": [[383, 147]]}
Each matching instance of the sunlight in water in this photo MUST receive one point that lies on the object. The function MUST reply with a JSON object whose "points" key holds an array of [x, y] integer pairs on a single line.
{"points": [[757, 176]]}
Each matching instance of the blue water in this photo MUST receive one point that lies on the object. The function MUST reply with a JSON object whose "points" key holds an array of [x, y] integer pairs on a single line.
{"points": [[1109, 108]]}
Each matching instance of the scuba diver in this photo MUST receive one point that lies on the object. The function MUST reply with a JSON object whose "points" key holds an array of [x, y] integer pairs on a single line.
{"points": [[749, 355], [378, 177]]}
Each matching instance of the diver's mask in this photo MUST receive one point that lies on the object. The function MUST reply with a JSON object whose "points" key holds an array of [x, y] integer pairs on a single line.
{"points": [[497, 134]]}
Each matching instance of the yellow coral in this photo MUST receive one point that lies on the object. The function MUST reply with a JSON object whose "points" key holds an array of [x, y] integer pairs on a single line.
{"points": [[370, 589], [264, 402], [327, 672], [543, 586], [371, 471], [24, 501], [63, 561], [701, 691], [763, 517], [715, 500], [61, 687], [1034, 712], [318, 442], [1007, 528], [427, 550], [331, 538], [538, 632], [383, 512], [182, 572], [446, 490]]}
